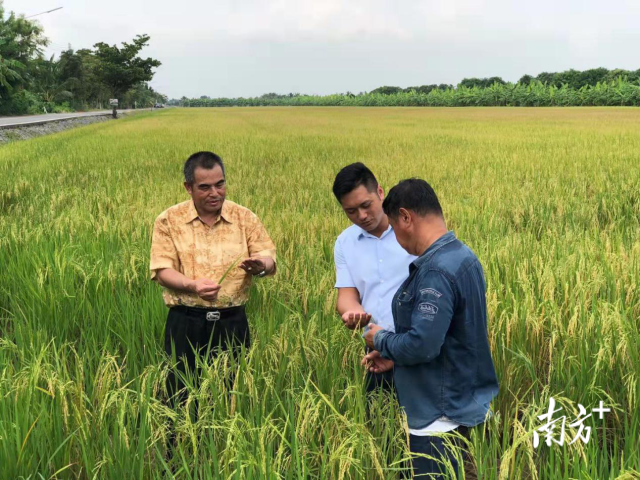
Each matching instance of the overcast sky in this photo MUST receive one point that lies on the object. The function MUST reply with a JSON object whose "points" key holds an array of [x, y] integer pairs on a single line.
{"points": [[231, 48]]}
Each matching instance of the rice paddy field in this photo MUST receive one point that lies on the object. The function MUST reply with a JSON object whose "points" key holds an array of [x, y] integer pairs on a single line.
{"points": [[549, 199]]}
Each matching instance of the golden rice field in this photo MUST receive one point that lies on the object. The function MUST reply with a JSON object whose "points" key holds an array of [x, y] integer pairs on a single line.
{"points": [[549, 199]]}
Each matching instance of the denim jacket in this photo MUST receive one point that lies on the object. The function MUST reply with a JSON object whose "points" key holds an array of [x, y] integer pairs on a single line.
{"points": [[443, 365]]}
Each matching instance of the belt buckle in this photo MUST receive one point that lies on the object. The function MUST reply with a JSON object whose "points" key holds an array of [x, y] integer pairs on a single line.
{"points": [[213, 316]]}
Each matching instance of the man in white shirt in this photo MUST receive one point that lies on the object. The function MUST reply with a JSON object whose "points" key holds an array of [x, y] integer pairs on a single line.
{"points": [[370, 264]]}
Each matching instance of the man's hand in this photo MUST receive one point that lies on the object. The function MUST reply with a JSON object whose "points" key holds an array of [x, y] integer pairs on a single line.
{"points": [[368, 337], [206, 289], [375, 363], [255, 265], [353, 320]]}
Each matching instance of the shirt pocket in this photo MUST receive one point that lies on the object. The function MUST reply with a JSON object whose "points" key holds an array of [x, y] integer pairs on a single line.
{"points": [[404, 308]]}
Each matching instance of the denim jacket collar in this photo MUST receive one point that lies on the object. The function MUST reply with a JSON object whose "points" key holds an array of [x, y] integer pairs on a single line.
{"points": [[433, 248]]}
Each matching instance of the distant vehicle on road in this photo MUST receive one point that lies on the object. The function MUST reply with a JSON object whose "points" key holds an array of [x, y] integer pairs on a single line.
{"points": [[158, 105]]}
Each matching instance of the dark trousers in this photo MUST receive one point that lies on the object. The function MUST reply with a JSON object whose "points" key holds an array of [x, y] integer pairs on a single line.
{"points": [[382, 381], [434, 446], [375, 381], [198, 332]]}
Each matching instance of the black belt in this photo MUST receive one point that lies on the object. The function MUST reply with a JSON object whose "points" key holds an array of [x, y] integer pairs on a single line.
{"points": [[209, 314]]}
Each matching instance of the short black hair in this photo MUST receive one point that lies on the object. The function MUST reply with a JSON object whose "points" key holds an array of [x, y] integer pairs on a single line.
{"points": [[206, 160], [351, 177], [413, 194]]}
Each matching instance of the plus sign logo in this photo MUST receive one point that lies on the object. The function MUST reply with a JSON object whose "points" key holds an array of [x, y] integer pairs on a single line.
{"points": [[601, 410], [554, 428]]}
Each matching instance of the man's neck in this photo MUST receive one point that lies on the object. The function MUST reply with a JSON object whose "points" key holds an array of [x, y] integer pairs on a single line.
{"points": [[208, 218], [428, 234], [382, 227]]}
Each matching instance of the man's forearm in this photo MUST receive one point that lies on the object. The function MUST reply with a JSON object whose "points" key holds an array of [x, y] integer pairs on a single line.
{"points": [[170, 278], [350, 309], [348, 305], [410, 348]]}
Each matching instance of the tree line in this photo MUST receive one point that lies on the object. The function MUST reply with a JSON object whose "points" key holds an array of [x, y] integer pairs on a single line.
{"points": [[76, 80], [594, 87], [574, 79]]}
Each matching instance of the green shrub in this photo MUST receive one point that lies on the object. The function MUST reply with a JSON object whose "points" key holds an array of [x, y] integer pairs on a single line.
{"points": [[21, 103]]}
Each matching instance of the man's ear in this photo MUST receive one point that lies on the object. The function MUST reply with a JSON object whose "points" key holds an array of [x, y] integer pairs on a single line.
{"points": [[380, 193], [188, 187], [405, 216]]}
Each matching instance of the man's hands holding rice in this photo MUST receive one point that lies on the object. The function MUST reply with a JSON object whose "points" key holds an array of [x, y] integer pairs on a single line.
{"points": [[373, 361]]}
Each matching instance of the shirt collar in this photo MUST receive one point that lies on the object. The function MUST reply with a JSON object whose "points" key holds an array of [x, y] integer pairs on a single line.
{"points": [[434, 247], [192, 213], [364, 233]]}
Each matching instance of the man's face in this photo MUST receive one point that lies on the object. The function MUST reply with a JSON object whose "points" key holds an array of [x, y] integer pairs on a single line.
{"points": [[364, 208], [208, 190]]}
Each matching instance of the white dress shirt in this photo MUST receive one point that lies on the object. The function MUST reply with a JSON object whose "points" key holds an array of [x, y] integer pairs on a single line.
{"points": [[376, 267]]}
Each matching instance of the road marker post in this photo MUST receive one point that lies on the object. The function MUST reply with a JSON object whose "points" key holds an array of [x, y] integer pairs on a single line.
{"points": [[114, 103]]}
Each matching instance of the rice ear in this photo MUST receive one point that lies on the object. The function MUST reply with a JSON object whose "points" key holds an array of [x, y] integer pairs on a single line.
{"points": [[229, 269]]}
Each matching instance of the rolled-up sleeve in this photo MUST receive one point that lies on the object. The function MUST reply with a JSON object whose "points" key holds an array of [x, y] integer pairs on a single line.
{"points": [[343, 276], [259, 242], [163, 249], [431, 317]]}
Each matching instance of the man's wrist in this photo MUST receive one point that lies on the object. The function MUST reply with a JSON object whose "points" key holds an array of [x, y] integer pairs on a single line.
{"points": [[190, 285], [377, 340]]}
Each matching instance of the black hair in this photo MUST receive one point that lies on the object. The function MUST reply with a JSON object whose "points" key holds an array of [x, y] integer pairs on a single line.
{"points": [[412, 194], [351, 177], [206, 160]]}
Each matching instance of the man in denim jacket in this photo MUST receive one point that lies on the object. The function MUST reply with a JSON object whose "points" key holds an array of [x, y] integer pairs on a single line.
{"points": [[444, 372]]}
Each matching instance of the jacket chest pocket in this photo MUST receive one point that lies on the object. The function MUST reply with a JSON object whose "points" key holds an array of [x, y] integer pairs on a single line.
{"points": [[404, 308]]}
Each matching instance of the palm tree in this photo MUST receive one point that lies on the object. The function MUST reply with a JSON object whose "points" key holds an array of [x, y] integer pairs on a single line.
{"points": [[8, 74], [46, 81]]}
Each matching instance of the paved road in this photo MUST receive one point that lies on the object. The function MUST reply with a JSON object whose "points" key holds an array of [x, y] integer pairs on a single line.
{"points": [[6, 122]]}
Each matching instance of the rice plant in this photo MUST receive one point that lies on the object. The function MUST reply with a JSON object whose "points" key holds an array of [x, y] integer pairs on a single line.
{"points": [[547, 198]]}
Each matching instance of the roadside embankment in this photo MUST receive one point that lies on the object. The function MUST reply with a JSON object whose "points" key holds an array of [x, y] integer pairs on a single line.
{"points": [[32, 130]]}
